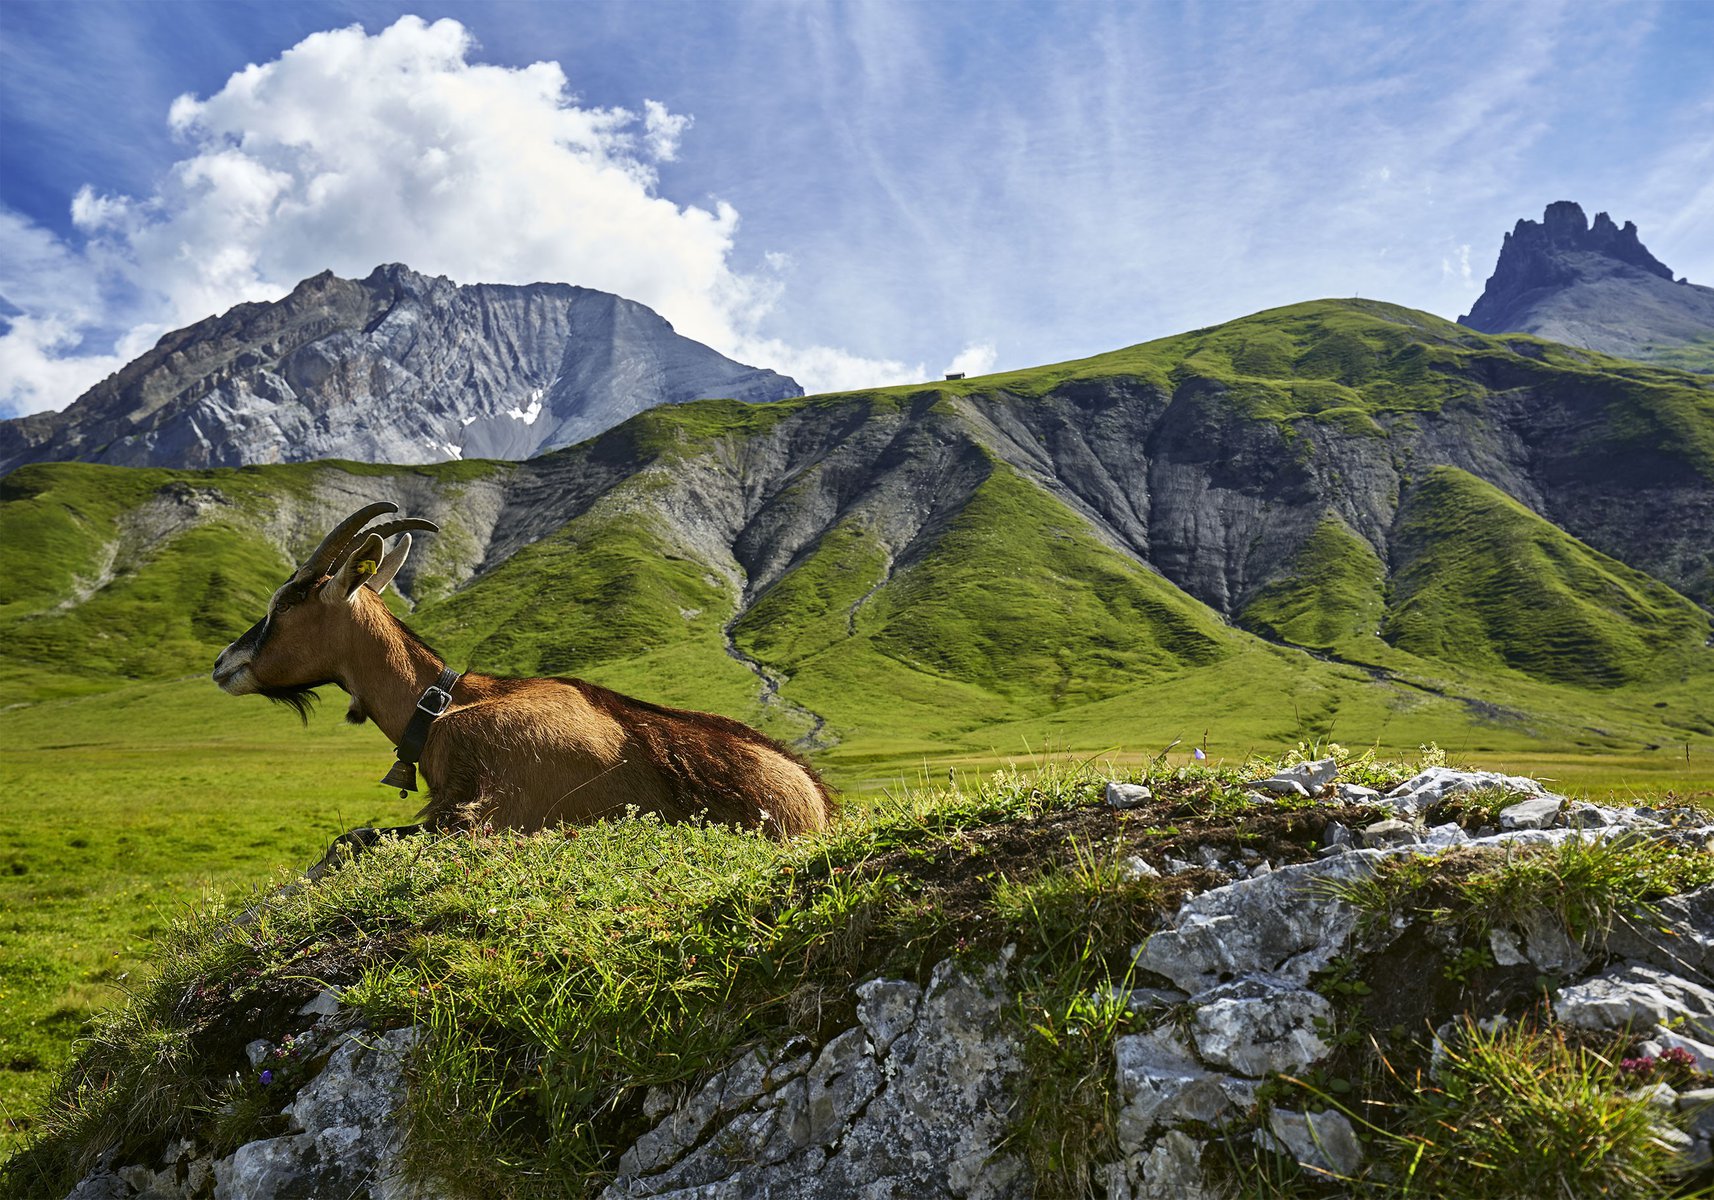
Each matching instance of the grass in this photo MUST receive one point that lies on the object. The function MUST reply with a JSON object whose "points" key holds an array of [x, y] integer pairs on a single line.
{"points": [[1589, 887], [1525, 1110], [1334, 592]]}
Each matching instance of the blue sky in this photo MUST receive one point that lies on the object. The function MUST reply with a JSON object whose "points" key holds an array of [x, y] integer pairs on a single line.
{"points": [[854, 193]]}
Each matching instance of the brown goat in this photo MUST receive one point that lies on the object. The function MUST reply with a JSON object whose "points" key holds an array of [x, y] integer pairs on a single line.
{"points": [[512, 753]]}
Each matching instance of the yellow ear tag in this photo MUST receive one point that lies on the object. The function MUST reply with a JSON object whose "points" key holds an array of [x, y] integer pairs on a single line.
{"points": [[368, 566]]}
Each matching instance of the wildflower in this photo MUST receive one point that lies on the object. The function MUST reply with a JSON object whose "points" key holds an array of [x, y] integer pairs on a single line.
{"points": [[1200, 756], [267, 1078], [1643, 1066], [1678, 1057]]}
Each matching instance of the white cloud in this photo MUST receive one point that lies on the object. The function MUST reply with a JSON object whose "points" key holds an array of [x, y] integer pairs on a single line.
{"points": [[351, 150], [975, 359], [827, 369]]}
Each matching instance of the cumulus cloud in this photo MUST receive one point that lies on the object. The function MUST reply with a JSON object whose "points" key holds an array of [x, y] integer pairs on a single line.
{"points": [[975, 359], [353, 149]]}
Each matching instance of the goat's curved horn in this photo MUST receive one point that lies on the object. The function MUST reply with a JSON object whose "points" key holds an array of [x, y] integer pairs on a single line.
{"points": [[404, 523], [318, 563]]}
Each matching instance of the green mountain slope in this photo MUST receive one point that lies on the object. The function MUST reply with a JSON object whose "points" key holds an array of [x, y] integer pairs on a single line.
{"points": [[1484, 582], [1070, 548]]}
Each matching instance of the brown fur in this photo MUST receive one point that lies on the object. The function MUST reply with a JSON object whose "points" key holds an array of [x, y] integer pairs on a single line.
{"points": [[530, 753]]}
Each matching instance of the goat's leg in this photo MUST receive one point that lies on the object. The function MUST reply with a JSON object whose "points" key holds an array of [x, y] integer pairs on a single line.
{"points": [[348, 846]]}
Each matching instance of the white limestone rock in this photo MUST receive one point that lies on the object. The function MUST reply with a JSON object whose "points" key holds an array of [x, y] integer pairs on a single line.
{"points": [[1280, 923], [1301, 779], [1430, 787], [1637, 996], [1538, 813], [1323, 1142], [1127, 795], [1260, 1026], [1161, 1083]]}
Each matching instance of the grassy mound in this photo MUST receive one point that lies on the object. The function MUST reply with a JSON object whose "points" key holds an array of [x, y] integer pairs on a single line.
{"points": [[558, 977]]}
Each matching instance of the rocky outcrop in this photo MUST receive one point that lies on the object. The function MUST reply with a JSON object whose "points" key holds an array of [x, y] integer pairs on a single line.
{"points": [[1595, 286], [396, 368], [916, 1098]]}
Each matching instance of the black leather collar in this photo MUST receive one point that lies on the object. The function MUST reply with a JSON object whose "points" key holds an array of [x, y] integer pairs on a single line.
{"points": [[434, 701]]}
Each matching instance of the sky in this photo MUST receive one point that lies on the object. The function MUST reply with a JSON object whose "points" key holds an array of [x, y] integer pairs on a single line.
{"points": [[851, 193]]}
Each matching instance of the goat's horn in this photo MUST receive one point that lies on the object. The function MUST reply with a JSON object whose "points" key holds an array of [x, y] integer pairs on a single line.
{"points": [[333, 543], [399, 526]]}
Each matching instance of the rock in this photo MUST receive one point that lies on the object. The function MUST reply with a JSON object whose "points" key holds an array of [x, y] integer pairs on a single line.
{"points": [[1550, 946], [102, 1186], [1391, 833], [1144, 999], [1354, 793], [1335, 834], [358, 369], [1301, 779], [1430, 787], [1135, 868], [887, 1007], [1280, 923], [257, 1050], [349, 1140], [1504, 945], [1591, 285], [1699, 1103], [1531, 814], [1678, 935], [1322, 1142], [1581, 814], [913, 1101], [1669, 1039], [1658, 1095], [1637, 996], [325, 1004], [1444, 837], [1160, 1083], [1128, 795], [1172, 1170], [1260, 1026]]}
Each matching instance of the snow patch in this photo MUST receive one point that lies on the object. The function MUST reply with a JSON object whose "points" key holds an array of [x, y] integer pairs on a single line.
{"points": [[528, 415]]}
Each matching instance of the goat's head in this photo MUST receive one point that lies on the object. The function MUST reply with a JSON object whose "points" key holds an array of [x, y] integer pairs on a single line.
{"points": [[298, 644]]}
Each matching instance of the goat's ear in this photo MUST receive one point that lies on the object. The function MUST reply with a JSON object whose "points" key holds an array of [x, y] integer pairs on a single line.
{"points": [[390, 565], [359, 565]]}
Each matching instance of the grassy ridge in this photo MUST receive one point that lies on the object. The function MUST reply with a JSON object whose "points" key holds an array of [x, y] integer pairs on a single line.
{"points": [[1333, 592], [1017, 597], [1484, 582]]}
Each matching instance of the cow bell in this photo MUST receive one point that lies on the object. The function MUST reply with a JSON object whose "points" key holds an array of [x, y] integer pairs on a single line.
{"points": [[402, 775]]}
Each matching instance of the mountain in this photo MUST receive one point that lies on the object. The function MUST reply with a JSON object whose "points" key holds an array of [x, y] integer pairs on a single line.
{"points": [[1598, 287], [396, 368], [1398, 522]]}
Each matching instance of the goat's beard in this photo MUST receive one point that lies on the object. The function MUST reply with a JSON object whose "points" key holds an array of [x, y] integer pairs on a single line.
{"points": [[300, 697]]}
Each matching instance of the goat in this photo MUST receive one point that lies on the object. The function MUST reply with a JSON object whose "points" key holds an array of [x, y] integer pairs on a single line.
{"points": [[512, 753]]}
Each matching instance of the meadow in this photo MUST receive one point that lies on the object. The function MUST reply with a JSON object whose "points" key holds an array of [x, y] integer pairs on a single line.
{"points": [[123, 810]]}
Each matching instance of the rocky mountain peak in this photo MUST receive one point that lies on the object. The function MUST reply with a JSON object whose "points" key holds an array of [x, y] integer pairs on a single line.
{"points": [[396, 367], [1592, 285]]}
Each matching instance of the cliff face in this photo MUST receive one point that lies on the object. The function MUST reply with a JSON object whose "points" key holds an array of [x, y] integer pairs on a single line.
{"points": [[395, 368], [1595, 286]]}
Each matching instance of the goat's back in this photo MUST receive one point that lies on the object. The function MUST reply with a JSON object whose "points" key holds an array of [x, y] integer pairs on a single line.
{"points": [[529, 753], [718, 767]]}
